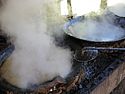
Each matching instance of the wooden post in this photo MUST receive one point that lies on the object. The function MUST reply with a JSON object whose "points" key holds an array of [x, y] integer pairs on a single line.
{"points": [[103, 4], [69, 7]]}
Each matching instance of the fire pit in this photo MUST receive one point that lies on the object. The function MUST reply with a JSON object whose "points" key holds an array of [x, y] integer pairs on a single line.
{"points": [[83, 78], [56, 85]]}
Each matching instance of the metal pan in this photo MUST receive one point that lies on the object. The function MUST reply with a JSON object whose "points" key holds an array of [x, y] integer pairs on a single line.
{"points": [[4, 54], [68, 28]]}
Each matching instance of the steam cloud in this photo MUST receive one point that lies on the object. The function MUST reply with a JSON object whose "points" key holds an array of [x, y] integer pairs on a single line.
{"points": [[98, 29], [100, 26], [36, 57]]}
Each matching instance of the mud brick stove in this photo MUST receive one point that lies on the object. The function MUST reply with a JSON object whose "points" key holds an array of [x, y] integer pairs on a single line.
{"points": [[105, 73], [100, 77]]}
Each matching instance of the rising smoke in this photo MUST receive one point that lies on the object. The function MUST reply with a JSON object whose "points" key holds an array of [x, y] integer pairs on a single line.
{"points": [[36, 58]]}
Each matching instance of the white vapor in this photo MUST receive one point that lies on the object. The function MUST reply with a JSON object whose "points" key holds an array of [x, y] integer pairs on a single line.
{"points": [[36, 58]]}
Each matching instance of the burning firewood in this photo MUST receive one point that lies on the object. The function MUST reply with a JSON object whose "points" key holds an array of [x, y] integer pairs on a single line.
{"points": [[50, 86], [59, 85], [74, 81]]}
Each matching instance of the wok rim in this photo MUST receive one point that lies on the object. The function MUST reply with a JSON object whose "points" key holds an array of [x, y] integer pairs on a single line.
{"points": [[79, 18]]}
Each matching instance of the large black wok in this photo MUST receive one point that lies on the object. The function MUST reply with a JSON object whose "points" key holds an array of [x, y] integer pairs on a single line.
{"points": [[118, 21]]}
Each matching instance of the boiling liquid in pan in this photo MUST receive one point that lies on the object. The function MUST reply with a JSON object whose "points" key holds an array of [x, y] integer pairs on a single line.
{"points": [[96, 31]]}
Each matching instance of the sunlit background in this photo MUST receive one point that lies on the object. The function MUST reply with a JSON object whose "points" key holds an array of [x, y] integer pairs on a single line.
{"points": [[81, 7], [114, 2], [63, 6]]}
